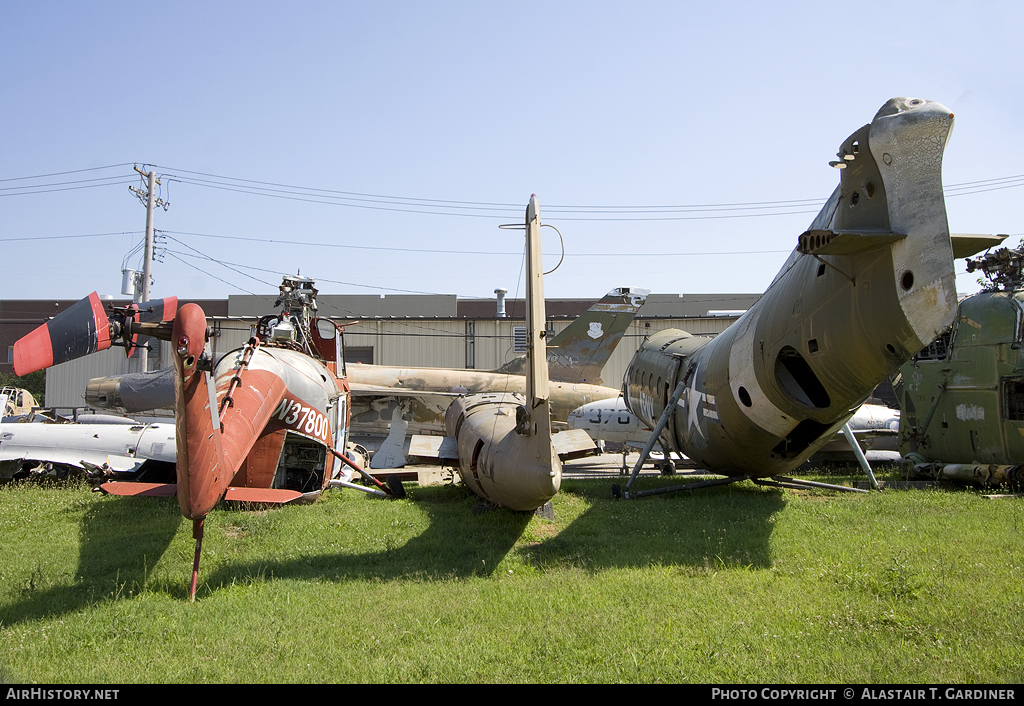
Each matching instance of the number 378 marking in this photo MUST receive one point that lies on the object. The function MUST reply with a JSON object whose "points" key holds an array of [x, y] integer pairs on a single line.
{"points": [[302, 418]]}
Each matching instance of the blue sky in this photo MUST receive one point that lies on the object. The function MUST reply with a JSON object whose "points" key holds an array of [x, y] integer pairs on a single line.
{"points": [[380, 136]]}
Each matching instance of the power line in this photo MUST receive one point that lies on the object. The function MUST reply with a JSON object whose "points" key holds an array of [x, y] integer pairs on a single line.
{"points": [[284, 191], [434, 251], [472, 209], [73, 171], [41, 190], [608, 213], [67, 237], [232, 266], [460, 208], [209, 274]]}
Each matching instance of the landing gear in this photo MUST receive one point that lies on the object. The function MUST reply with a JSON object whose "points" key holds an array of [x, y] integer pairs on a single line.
{"points": [[655, 438], [395, 486], [799, 484]]}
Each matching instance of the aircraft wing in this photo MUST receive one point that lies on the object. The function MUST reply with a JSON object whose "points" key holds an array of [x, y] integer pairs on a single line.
{"points": [[443, 448], [375, 407], [574, 443], [122, 448], [967, 244], [570, 444], [365, 391]]}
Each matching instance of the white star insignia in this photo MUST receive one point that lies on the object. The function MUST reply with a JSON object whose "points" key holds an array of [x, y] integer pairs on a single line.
{"points": [[698, 407]]}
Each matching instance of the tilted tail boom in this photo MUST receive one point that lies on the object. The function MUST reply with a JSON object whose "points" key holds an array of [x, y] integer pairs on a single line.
{"points": [[870, 283]]}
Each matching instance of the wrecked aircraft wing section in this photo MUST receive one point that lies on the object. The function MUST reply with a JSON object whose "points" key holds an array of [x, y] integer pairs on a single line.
{"points": [[61, 448]]}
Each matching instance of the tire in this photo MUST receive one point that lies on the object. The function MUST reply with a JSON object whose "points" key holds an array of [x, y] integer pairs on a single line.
{"points": [[396, 487]]}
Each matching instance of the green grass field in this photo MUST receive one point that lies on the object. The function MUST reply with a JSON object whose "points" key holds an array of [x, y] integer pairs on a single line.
{"points": [[737, 584]]}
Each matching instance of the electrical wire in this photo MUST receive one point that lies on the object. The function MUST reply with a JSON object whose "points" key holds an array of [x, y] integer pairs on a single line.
{"points": [[67, 237], [474, 209], [39, 190], [492, 209], [73, 171], [434, 251]]}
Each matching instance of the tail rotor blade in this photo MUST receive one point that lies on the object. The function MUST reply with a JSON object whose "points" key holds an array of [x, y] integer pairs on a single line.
{"points": [[157, 310], [79, 330], [153, 311]]}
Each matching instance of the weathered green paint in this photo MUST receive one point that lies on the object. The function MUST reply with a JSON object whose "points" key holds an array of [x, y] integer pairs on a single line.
{"points": [[870, 283], [967, 406]]}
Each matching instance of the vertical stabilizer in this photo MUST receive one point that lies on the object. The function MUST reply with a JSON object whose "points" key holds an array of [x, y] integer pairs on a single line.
{"points": [[503, 441], [537, 394]]}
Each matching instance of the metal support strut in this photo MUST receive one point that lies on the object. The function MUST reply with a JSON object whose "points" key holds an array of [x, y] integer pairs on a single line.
{"points": [[660, 427], [197, 534], [394, 488], [859, 453]]}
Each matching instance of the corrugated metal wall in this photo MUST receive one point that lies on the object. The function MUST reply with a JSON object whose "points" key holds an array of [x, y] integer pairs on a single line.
{"points": [[420, 342]]}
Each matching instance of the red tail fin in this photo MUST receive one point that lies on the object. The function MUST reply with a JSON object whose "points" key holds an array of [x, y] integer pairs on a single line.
{"points": [[211, 449]]}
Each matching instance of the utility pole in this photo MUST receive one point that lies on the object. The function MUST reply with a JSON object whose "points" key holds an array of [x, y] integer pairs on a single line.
{"points": [[142, 288]]}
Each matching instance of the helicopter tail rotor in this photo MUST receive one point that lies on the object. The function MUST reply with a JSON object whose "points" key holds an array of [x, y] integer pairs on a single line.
{"points": [[85, 328], [79, 330]]}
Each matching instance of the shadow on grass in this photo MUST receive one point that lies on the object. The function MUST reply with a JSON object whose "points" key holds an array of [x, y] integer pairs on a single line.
{"points": [[121, 539], [719, 527], [456, 544], [724, 526]]}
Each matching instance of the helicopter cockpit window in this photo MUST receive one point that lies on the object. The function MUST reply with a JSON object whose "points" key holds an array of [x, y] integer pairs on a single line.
{"points": [[1013, 399], [936, 350], [326, 329], [1018, 337]]}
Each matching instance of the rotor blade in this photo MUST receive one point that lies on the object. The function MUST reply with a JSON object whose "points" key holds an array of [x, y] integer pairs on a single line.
{"points": [[79, 330], [153, 311], [157, 310]]}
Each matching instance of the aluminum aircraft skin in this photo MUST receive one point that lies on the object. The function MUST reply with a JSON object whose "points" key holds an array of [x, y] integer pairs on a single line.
{"points": [[505, 450], [263, 424], [390, 402], [963, 396], [394, 402], [610, 421], [28, 449], [576, 357], [875, 426], [579, 352], [870, 283]]}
